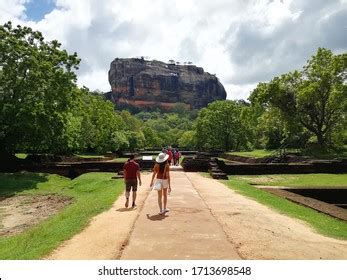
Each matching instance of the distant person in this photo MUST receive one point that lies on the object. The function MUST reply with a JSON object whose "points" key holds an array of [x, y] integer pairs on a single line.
{"points": [[161, 172], [174, 151], [169, 153], [132, 176], [177, 156]]}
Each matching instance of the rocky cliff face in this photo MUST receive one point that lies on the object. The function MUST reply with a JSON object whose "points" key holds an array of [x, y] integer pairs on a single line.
{"points": [[143, 83]]}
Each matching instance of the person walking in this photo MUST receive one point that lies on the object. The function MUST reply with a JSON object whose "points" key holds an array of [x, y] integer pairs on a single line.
{"points": [[169, 153], [174, 150], [161, 172], [132, 177], [177, 157]]}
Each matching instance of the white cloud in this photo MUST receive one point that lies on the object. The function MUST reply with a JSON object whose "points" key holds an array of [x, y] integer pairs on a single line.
{"points": [[10, 9], [242, 42]]}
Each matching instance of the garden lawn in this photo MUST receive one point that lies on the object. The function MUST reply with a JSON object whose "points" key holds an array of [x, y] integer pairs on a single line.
{"points": [[254, 153], [122, 160], [21, 155], [90, 156], [92, 194], [319, 154], [297, 180], [322, 223]]}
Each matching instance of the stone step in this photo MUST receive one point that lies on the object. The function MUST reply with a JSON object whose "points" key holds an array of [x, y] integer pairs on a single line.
{"points": [[219, 175], [215, 169]]}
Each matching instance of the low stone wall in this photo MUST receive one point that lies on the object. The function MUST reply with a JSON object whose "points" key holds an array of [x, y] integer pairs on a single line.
{"points": [[241, 158], [74, 169], [287, 159], [201, 164], [191, 164], [47, 158], [283, 168]]}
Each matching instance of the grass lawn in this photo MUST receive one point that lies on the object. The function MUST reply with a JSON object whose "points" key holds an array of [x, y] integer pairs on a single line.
{"points": [[319, 154], [120, 159], [322, 223], [21, 155], [297, 180], [254, 153], [92, 194], [89, 156]]}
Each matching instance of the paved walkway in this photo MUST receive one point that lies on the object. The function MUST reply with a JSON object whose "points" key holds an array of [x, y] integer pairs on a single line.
{"points": [[207, 221], [188, 231]]}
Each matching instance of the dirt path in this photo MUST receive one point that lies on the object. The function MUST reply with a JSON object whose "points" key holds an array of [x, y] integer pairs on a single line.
{"points": [[207, 221]]}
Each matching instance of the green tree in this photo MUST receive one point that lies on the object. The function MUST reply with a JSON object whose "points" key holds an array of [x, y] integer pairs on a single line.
{"points": [[219, 126], [271, 129], [36, 91], [322, 96], [151, 138], [315, 98], [188, 139], [101, 128]]}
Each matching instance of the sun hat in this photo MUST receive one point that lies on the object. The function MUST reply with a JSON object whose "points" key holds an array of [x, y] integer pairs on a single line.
{"points": [[161, 157]]}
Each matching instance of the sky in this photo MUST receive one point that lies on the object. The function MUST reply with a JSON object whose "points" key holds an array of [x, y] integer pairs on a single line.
{"points": [[242, 42]]}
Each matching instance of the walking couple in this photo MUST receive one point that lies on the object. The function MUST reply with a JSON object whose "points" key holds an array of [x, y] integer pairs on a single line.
{"points": [[161, 172]]}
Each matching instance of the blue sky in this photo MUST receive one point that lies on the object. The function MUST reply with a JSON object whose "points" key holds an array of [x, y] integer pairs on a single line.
{"points": [[36, 9]]}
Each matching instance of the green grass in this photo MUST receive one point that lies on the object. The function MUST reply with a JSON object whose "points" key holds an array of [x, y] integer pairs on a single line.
{"points": [[120, 159], [89, 156], [326, 154], [21, 155], [254, 153], [320, 222], [297, 180], [181, 160], [315, 153], [92, 194]]}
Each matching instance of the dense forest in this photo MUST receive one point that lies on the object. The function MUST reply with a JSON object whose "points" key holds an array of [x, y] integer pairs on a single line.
{"points": [[44, 111]]}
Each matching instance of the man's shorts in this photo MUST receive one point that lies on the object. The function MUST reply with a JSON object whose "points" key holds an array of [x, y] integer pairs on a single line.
{"points": [[131, 184]]}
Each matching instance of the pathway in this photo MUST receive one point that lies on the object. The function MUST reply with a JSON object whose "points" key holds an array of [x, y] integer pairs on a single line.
{"points": [[207, 221], [188, 231]]}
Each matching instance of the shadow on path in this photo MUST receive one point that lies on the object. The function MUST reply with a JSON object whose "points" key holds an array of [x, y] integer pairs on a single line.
{"points": [[125, 209], [157, 217]]}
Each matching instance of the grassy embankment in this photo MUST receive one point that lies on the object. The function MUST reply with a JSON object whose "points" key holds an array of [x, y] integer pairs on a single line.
{"points": [[254, 153], [21, 155], [92, 194], [322, 223], [90, 156], [297, 180], [319, 154], [122, 160]]}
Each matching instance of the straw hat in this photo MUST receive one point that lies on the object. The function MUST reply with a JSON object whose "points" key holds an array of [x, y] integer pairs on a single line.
{"points": [[161, 157]]}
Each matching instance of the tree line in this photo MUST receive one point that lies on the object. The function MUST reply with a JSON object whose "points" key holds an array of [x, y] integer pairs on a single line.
{"points": [[44, 111]]}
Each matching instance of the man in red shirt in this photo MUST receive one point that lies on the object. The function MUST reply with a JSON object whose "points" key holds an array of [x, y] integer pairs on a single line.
{"points": [[169, 152], [131, 174]]}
